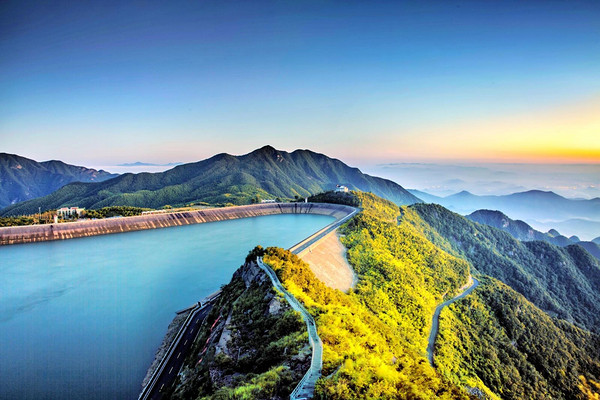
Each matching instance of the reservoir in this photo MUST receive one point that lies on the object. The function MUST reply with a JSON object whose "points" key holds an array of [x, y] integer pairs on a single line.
{"points": [[82, 318]]}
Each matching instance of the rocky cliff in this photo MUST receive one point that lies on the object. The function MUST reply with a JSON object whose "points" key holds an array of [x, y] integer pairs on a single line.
{"points": [[251, 343]]}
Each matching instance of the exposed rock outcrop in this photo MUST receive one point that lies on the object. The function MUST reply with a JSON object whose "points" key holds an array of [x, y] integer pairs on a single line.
{"points": [[252, 333]]}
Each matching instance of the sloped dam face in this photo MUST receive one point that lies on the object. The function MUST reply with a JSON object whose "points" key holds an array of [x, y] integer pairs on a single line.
{"points": [[82, 318]]}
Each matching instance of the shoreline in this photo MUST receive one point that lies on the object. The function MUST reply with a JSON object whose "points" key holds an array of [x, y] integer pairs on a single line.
{"points": [[41, 233]]}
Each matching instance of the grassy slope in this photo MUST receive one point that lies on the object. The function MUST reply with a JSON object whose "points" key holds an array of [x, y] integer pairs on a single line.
{"points": [[498, 344]]}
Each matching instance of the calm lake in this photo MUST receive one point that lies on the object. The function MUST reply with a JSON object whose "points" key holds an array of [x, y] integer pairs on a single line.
{"points": [[82, 318]]}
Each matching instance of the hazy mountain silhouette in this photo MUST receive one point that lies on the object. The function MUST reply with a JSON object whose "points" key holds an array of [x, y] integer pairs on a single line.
{"points": [[23, 179]]}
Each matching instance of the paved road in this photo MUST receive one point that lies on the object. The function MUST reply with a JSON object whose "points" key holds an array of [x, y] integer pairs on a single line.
{"points": [[174, 360], [436, 317], [174, 363], [299, 247], [306, 387]]}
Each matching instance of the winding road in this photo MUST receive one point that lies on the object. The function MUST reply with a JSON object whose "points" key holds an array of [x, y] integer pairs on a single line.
{"points": [[305, 389], [171, 363], [436, 317]]}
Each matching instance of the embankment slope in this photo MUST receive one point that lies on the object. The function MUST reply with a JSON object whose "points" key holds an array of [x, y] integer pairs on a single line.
{"points": [[40, 233], [327, 260]]}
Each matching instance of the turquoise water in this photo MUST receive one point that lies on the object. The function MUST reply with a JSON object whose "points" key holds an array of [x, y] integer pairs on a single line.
{"points": [[82, 318]]}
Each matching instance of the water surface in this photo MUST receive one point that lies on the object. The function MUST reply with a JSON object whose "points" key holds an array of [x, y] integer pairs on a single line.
{"points": [[82, 318]]}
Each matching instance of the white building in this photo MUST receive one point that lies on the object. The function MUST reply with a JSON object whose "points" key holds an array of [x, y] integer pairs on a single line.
{"points": [[268, 201], [340, 188], [68, 212]]}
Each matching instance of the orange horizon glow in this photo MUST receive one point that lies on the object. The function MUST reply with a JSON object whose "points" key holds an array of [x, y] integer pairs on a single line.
{"points": [[565, 134]]}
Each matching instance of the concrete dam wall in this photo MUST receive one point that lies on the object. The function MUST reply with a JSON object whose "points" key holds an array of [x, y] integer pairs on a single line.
{"points": [[40, 233]]}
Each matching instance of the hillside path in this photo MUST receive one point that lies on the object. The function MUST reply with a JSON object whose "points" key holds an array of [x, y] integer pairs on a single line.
{"points": [[436, 317], [305, 389]]}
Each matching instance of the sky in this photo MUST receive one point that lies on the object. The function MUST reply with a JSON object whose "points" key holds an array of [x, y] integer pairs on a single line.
{"points": [[370, 83], [581, 181]]}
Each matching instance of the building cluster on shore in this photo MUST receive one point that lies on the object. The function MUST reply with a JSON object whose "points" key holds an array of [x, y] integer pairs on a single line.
{"points": [[68, 212]]}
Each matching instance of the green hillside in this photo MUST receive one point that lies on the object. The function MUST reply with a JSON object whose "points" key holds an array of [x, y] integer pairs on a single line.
{"points": [[494, 343], [498, 339], [522, 231], [561, 281], [374, 337], [517, 228], [222, 179], [252, 345], [23, 179]]}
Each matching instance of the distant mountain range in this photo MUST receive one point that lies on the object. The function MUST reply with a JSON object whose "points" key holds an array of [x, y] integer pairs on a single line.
{"points": [[23, 179], [522, 231], [145, 164], [262, 174], [575, 226], [562, 281], [533, 204], [543, 210]]}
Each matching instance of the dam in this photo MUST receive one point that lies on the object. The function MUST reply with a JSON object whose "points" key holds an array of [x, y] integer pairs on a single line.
{"points": [[82, 318], [47, 232]]}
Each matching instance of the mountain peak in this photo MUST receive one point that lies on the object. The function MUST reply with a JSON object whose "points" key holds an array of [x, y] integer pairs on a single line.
{"points": [[538, 193], [23, 179], [494, 213], [553, 232], [463, 193], [266, 149], [264, 173]]}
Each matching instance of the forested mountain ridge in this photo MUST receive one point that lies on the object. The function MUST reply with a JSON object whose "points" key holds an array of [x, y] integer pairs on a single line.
{"points": [[497, 340], [564, 282], [221, 179], [502, 345], [517, 228], [23, 179], [522, 231]]}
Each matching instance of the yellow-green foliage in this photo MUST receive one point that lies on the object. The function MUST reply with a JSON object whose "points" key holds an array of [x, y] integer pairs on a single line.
{"points": [[411, 220], [590, 389], [17, 221], [498, 341], [374, 337], [262, 386], [403, 276]]}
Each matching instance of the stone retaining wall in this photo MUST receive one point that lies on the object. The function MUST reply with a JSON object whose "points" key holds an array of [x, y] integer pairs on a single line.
{"points": [[40, 233]]}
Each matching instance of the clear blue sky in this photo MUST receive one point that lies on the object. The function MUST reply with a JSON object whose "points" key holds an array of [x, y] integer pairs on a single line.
{"points": [[100, 83]]}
